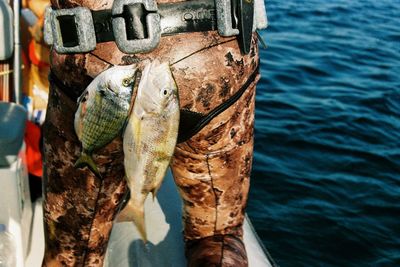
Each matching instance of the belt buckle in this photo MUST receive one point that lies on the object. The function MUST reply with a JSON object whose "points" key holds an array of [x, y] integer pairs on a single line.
{"points": [[59, 21], [153, 26], [224, 18], [235, 17]]}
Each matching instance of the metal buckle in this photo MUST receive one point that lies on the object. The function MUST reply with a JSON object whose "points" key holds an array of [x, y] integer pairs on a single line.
{"points": [[78, 17], [153, 22], [235, 17], [47, 33], [133, 19], [224, 18]]}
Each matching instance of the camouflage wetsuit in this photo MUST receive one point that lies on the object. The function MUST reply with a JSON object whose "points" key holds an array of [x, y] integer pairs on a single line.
{"points": [[211, 169]]}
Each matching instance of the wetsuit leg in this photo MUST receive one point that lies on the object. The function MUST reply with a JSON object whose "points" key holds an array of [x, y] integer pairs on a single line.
{"points": [[78, 207], [212, 172], [210, 168]]}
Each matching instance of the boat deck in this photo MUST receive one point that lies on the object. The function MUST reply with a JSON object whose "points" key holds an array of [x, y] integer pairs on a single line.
{"points": [[165, 240]]}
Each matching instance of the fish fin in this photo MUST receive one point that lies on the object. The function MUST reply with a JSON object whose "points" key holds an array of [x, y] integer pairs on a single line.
{"points": [[135, 214], [154, 193], [137, 128], [123, 129], [149, 187], [99, 98], [86, 160], [79, 118], [83, 97]]}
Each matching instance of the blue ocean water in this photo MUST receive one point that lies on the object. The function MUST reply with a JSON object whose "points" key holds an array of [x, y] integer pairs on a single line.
{"points": [[326, 174]]}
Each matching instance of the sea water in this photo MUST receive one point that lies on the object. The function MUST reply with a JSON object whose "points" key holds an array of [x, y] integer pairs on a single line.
{"points": [[326, 174]]}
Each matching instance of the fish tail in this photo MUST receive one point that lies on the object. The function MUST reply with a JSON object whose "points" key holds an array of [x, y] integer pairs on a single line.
{"points": [[86, 160], [154, 193], [134, 213]]}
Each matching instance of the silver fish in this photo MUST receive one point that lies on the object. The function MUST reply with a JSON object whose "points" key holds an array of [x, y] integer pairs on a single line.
{"points": [[103, 111], [149, 139]]}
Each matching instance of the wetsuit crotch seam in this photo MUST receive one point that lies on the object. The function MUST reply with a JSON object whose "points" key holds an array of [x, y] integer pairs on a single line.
{"points": [[215, 194]]}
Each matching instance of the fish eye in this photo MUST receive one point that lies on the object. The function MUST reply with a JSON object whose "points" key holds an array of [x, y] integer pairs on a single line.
{"points": [[126, 82], [165, 92]]}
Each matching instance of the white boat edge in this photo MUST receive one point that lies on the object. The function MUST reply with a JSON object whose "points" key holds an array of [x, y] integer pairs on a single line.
{"points": [[164, 228], [165, 240]]}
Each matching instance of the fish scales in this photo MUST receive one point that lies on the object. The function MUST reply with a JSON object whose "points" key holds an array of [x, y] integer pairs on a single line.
{"points": [[149, 139], [101, 124], [102, 111], [159, 154]]}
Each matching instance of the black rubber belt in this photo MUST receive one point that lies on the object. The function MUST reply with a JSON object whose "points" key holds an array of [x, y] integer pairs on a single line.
{"points": [[189, 16], [192, 122]]}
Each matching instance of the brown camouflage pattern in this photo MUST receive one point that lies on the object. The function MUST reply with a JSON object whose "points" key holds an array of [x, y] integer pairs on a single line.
{"points": [[217, 250], [78, 207], [211, 169]]}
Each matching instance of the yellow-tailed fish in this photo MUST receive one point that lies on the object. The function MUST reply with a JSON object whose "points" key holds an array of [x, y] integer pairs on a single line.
{"points": [[149, 139], [103, 111]]}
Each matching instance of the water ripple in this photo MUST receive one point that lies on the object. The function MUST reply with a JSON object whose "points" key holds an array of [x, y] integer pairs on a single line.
{"points": [[326, 175]]}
